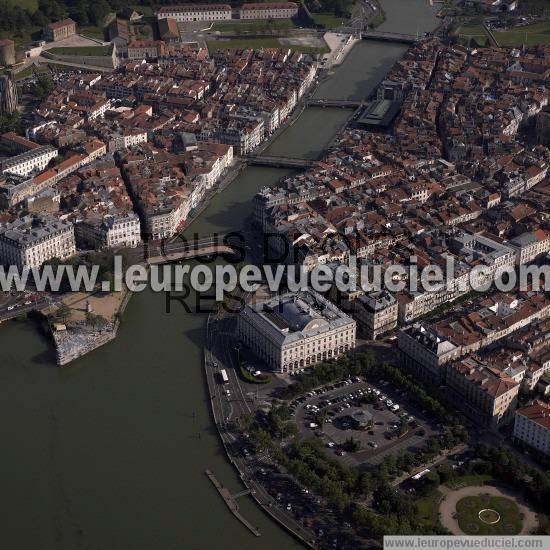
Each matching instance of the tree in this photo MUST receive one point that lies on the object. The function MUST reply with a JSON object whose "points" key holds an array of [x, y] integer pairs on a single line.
{"points": [[352, 445], [10, 122], [261, 440], [321, 417], [97, 12], [446, 473], [246, 421], [62, 313], [429, 483], [42, 87], [290, 429], [95, 321]]}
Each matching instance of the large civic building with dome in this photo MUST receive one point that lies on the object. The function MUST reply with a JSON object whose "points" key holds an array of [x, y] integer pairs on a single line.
{"points": [[293, 331]]}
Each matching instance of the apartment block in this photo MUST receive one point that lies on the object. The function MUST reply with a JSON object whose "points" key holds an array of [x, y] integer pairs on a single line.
{"points": [[532, 426], [376, 313], [30, 161], [486, 393], [110, 231], [34, 239]]}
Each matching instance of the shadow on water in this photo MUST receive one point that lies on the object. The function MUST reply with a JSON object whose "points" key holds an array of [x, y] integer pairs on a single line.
{"points": [[361, 71]]}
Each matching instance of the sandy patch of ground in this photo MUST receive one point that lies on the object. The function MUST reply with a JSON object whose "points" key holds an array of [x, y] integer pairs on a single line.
{"points": [[105, 305], [310, 41], [72, 41]]}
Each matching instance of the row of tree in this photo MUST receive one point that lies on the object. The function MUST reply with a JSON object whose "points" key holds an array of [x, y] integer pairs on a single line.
{"points": [[422, 396], [17, 18], [511, 469]]}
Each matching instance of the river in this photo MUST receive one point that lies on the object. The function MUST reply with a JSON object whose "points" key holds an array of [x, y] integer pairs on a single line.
{"points": [[110, 452]]}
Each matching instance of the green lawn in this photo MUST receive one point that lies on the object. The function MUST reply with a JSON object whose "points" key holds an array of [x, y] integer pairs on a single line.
{"points": [[32, 70], [428, 509], [92, 32], [466, 33], [465, 481], [488, 515], [253, 26], [328, 20], [83, 50], [257, 44], [530, 35]]}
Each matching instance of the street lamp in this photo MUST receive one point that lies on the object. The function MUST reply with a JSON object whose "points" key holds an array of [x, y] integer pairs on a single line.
{"points": [[238, 350]]}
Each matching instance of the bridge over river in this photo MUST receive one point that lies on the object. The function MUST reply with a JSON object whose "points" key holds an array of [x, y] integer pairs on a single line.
{"points": [[389, 37], [157, 253], [279, 162]]}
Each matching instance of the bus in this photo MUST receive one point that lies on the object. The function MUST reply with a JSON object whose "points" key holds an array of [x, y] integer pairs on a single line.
{"points": [[224, 377]]}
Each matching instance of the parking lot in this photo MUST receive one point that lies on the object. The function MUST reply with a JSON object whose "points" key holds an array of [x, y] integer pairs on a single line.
{"points": [[305, 507], [355, 410]]}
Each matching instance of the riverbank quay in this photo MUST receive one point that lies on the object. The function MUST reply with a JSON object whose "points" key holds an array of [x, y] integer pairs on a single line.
{"points": [[225, 411], [340, 46], [74, 341]]}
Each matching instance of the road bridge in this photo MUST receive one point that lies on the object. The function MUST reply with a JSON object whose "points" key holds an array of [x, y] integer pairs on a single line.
{"points": [[389, 37], [279, 162], [157, 253], [343, 103], [22, 309]]}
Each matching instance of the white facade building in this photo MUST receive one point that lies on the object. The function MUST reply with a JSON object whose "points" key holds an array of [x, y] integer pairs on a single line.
{"points": [[268, 10], [295, 330], [118, 141], [110, 231], [32, 240], [532, 426], [165, 223], [529, 245], [34, 160], [196, 12]]}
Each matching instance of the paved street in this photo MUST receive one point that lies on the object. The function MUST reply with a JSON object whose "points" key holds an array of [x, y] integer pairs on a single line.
{"points": [[220, 354]]}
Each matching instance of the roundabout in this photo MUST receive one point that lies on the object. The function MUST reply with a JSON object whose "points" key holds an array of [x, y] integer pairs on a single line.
{"points": [[486, 510]]}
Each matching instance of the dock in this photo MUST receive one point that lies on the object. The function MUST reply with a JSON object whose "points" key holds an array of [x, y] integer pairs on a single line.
{"points": [[231, 501]]}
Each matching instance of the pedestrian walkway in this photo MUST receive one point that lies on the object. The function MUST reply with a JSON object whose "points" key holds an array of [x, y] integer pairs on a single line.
{"points": [[447, 509]]}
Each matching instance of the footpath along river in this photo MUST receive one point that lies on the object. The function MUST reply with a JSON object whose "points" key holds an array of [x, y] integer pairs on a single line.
{"points": [[110, 452]]}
